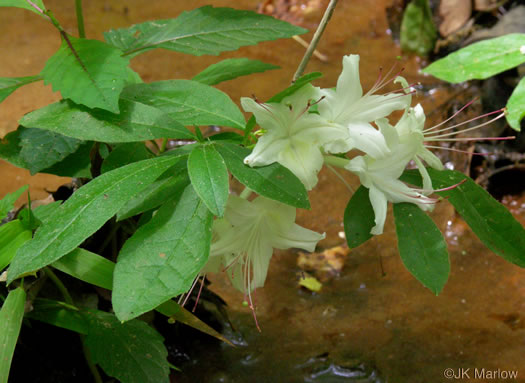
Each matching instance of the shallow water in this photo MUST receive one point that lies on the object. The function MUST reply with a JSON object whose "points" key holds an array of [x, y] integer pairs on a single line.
{"points": [[372, 323]]}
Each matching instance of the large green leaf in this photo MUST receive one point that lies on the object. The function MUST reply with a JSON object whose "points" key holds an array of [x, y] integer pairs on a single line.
{"points": [[422, 247], [163, 257], [89, 72], [85, 212], [92, 268], [164, 188], [358, 218], [209, 177], [480, 60], [136, 122], [132, 352], [8, 202], [489, 220], [9, 85], [231, 68], [76, 164], [11, 316], [516, 106], [205, 30], [40, 149], [12, 236], [25, 4], [188, 102], [418, 33], [273, 181]]}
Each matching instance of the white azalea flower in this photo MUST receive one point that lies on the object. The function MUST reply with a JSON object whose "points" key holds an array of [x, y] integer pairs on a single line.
{"points": [[245, 238], [381, 175], [348, 107], [293, 137]]}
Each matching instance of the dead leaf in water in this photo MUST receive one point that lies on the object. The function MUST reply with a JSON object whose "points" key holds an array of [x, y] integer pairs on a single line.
{"points": [[325, 265], [454, 14]]}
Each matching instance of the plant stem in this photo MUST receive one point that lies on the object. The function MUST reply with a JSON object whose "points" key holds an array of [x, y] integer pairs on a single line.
{"points": [[163, 145], [336, 161], [58, 283], [80, 19], [315, 40], [245, 193], [69, 300]]}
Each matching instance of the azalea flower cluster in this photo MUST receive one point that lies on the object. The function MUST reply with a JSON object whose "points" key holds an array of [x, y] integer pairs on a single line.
{"points": [[302, 140]]}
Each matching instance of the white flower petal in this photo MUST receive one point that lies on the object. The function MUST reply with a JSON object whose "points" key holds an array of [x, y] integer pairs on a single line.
{"points": [[379, 204], [304, 160], [364, 137]]}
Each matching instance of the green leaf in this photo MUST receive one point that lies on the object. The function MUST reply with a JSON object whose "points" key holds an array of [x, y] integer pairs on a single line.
{"points": [[205, 30], [9, 85], [136, 122], [131, 352], [12, 236], [11, 316], [358, 218], [188, 102], [58, 314], [422, 247], [209, 177], [8, 202], [163, 257], [24, 4], [124, 154], [273, 181], [85, 212], [92, 268], [164, 188], [231, 68], [89, 72], [418, 33], [88, 267], [76, 164], [516, 106], [480, 60], [41, 149], [298, 84], [489, 220]]}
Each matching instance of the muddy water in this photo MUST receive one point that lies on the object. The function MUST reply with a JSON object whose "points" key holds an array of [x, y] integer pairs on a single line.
{"points": [[373, 322]]}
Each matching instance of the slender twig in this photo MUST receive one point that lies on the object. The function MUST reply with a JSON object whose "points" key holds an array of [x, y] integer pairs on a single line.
{"points": [[315, 39], [69, 300], [80, 19], [305, 44]]}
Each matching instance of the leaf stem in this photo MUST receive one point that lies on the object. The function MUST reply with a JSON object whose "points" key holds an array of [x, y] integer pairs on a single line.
{"points": [[80, 19], [315, 40], [69, 300]]}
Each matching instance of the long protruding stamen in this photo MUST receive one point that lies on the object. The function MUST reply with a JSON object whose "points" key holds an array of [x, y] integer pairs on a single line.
{"points": [[189, 291], [199, 294], [384, 83], [451, 117], [411, 87], [477, 139], [458, 150], [466, 122]]}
